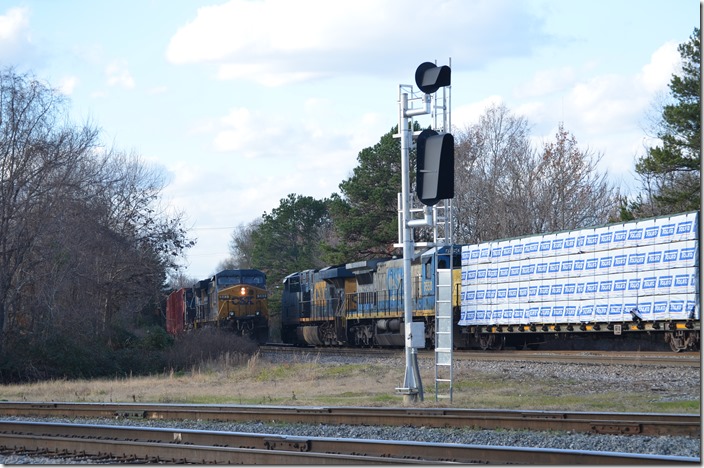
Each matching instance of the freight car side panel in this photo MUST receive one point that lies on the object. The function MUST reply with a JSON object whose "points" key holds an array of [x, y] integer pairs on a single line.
{"points": [[175, 311], [647, 268]]}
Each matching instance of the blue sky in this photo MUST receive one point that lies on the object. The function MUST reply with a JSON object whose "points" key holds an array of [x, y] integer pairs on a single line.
{"points": [[242, 102]]}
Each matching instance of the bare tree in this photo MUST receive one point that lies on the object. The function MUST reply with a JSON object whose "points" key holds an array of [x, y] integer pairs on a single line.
{"points": [[83, 242], [39, 154], [569, 192], [494, 164], [504, 188], [242, 246]]}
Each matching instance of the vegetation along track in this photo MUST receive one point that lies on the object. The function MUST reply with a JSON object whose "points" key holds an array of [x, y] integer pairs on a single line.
{"points": [[187, 446]]}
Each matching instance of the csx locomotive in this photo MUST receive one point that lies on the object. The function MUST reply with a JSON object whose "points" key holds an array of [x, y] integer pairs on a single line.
{"points": [[619, 279], [231, 299], [359, 303]]}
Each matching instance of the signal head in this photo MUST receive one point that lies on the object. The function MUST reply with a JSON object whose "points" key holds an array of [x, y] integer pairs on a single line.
{"points": [[430, 77]]}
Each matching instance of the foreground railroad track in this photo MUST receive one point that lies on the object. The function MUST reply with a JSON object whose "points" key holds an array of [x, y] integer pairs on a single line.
{"points": [[596, 423], [117, 443], [690, 359]]}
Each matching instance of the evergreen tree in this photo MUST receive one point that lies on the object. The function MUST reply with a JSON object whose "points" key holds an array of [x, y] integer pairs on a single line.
{"points": [[365, 216], [671, 171], [288, 239]]}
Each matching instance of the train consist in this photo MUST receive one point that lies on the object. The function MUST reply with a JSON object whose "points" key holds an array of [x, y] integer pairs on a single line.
{"points": [[621, 279], [231, 299]]}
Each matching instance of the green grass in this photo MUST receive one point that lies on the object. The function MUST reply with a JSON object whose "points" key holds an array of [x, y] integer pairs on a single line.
{"points": [[683, 406]]}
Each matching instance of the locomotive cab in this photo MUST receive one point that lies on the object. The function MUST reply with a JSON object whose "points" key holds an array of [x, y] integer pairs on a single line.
{"points": [[235, 299]]}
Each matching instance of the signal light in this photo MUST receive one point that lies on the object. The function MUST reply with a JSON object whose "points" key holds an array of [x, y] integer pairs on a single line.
{"points": [[430, 77], [435, 167]]}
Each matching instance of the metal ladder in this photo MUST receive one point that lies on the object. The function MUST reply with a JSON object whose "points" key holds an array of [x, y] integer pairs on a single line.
{"points": [[443, 335]]}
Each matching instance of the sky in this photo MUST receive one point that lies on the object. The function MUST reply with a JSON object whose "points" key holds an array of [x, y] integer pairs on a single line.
{"points": [[240, 103]]}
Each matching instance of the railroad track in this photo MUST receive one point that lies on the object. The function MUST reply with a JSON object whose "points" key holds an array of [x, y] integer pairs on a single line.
{"points": [[653, 424], [185, 446], [690, 359]]}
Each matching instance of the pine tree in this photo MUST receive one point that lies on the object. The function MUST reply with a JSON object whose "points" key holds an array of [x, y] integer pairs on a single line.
{"points": [[365, 215], [671, 171]]}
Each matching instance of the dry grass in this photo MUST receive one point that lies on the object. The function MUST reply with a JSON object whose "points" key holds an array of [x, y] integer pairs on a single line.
{"points": [[313, 383]]}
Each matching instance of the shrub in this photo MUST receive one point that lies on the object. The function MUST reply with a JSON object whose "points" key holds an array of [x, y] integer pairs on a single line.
{"points": [[207, 345]]}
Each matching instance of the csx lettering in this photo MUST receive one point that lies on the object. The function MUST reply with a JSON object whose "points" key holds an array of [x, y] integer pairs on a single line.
{"points": [[237, 300]]}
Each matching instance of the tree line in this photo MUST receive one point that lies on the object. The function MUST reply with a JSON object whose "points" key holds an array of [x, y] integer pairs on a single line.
{"points": [[84, 245]]}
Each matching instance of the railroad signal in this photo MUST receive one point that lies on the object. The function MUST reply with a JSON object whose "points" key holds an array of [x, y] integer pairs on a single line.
{"points": [[435, 167], [430, 77], [434, 181]]}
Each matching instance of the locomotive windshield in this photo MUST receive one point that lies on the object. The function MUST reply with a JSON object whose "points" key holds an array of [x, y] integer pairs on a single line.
{"points": [[228, 280], [254, 280]]}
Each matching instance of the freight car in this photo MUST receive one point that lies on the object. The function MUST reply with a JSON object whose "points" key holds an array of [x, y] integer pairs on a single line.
{"points": [[619, 279], [180, 311], [231, 299]]}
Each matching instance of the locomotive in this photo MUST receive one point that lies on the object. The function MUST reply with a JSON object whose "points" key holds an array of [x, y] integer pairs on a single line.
{"points": [[232, 299], [619, 279], [360, 303]]}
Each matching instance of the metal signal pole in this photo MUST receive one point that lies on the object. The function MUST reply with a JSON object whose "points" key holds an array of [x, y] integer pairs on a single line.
{"points": [[440, 157], [412, 385]]}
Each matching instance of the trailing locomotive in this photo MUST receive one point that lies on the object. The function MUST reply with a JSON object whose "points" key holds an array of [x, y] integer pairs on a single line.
{"points": [[231, 299], [620, 279], [361, 303]]}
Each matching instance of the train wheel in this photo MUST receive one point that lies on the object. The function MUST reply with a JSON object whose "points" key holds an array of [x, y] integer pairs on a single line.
{"points": [[491, 342], [682, 340]]}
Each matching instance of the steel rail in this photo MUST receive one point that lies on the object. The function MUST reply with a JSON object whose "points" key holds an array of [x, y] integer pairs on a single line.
{"points": [[168, 452], [654, 424], [193, 446]]}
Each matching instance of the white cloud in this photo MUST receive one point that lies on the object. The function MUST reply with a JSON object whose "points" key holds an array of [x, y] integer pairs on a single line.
{"points": [[118, 74], [545, 82], [663, 63], [15, 36], [274, 42], [604, 100], [250, 134], [68, 84], [264, 74], [469, 114], [13, 24]]}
